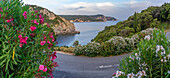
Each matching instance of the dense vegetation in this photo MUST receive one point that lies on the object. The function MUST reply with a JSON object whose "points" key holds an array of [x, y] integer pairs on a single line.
{"points": [[115, 46], [150, 60], [26, 43], [158, 17]]}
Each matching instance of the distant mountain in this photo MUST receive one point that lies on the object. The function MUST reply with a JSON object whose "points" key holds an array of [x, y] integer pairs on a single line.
{"points": [[59, 24], [88, 18]]}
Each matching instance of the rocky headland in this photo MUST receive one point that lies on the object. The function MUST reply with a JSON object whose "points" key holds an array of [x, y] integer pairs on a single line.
{"points": [[59, 24]]}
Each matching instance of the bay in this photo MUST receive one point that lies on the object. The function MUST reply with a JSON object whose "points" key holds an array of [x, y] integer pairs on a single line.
{"points": [[88, 31]]}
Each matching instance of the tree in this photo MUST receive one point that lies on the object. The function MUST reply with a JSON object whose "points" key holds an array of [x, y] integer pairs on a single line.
{"points": [[135, 23], [76, 43]]}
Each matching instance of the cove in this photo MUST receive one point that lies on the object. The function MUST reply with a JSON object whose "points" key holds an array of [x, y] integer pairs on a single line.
{"points": [[88, 31]]}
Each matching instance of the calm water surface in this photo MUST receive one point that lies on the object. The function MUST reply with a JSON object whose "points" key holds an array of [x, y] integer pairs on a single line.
{"points": [[88, 31]]}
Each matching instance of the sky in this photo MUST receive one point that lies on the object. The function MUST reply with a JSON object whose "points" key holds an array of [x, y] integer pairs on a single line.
{"points": [[120, 9]]}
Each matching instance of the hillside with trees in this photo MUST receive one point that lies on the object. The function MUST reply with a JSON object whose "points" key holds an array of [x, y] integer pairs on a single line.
{"points": [[154, 16], [88, 18]]}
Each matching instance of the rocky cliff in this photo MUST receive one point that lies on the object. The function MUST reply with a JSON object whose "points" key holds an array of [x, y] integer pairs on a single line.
{"points": [[59, 24]]}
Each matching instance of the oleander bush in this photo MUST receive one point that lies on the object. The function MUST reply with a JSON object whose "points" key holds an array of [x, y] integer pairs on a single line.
{"points": [[92, 49], [150, 60], [26, 43]]}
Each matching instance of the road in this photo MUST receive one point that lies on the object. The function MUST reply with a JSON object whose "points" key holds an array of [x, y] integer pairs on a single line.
{"points": [[87, 67]]}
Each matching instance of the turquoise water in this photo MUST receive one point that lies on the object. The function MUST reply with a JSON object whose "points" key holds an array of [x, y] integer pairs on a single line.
{"points": [[88, 31]]}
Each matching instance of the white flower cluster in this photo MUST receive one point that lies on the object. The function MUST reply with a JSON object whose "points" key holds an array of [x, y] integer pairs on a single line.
{"points": [[92, 46], [148, 37], [118, 40], [140, 74], [135, 38], [168, 56], [148, 31], [119, 73], [160, 48]]}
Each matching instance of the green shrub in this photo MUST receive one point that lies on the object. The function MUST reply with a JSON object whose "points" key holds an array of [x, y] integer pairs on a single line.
{"points": [[26, 43], [150, 60], [76, 43], [79, 50], [116, 46], [91, 49], [69, 50]]}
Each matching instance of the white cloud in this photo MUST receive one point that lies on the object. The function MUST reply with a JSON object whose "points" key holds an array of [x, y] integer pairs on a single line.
{"points": [[85, 8]]}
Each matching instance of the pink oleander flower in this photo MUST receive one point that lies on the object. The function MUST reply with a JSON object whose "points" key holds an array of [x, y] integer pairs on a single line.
{"points": [[23, 40], [52, 36], [36, 11], [45, 38], [40, 16], [53, 40], [36, 22], [26, 38], [45, 70], [12, 19], [43, 42], [25, 13], [54, 57], [48, 42], [41, 20], [20, 45], [20, 36], [32, 28], [8, 21], [41, 67], [0, 15]]}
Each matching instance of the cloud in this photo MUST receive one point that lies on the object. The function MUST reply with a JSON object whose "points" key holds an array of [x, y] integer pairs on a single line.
{"points": [[84, 8]]}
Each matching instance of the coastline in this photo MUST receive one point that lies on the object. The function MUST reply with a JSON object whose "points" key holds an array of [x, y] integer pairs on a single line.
{"points": [[91, 21]]}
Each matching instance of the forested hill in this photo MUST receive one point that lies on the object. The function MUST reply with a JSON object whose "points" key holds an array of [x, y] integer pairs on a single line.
{"points": [[151, 17], [88, 18]]}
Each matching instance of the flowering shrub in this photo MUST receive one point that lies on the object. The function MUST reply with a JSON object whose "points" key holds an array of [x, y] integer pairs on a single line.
{"points": [[91, 49], [26, 43], [150, 60]]}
